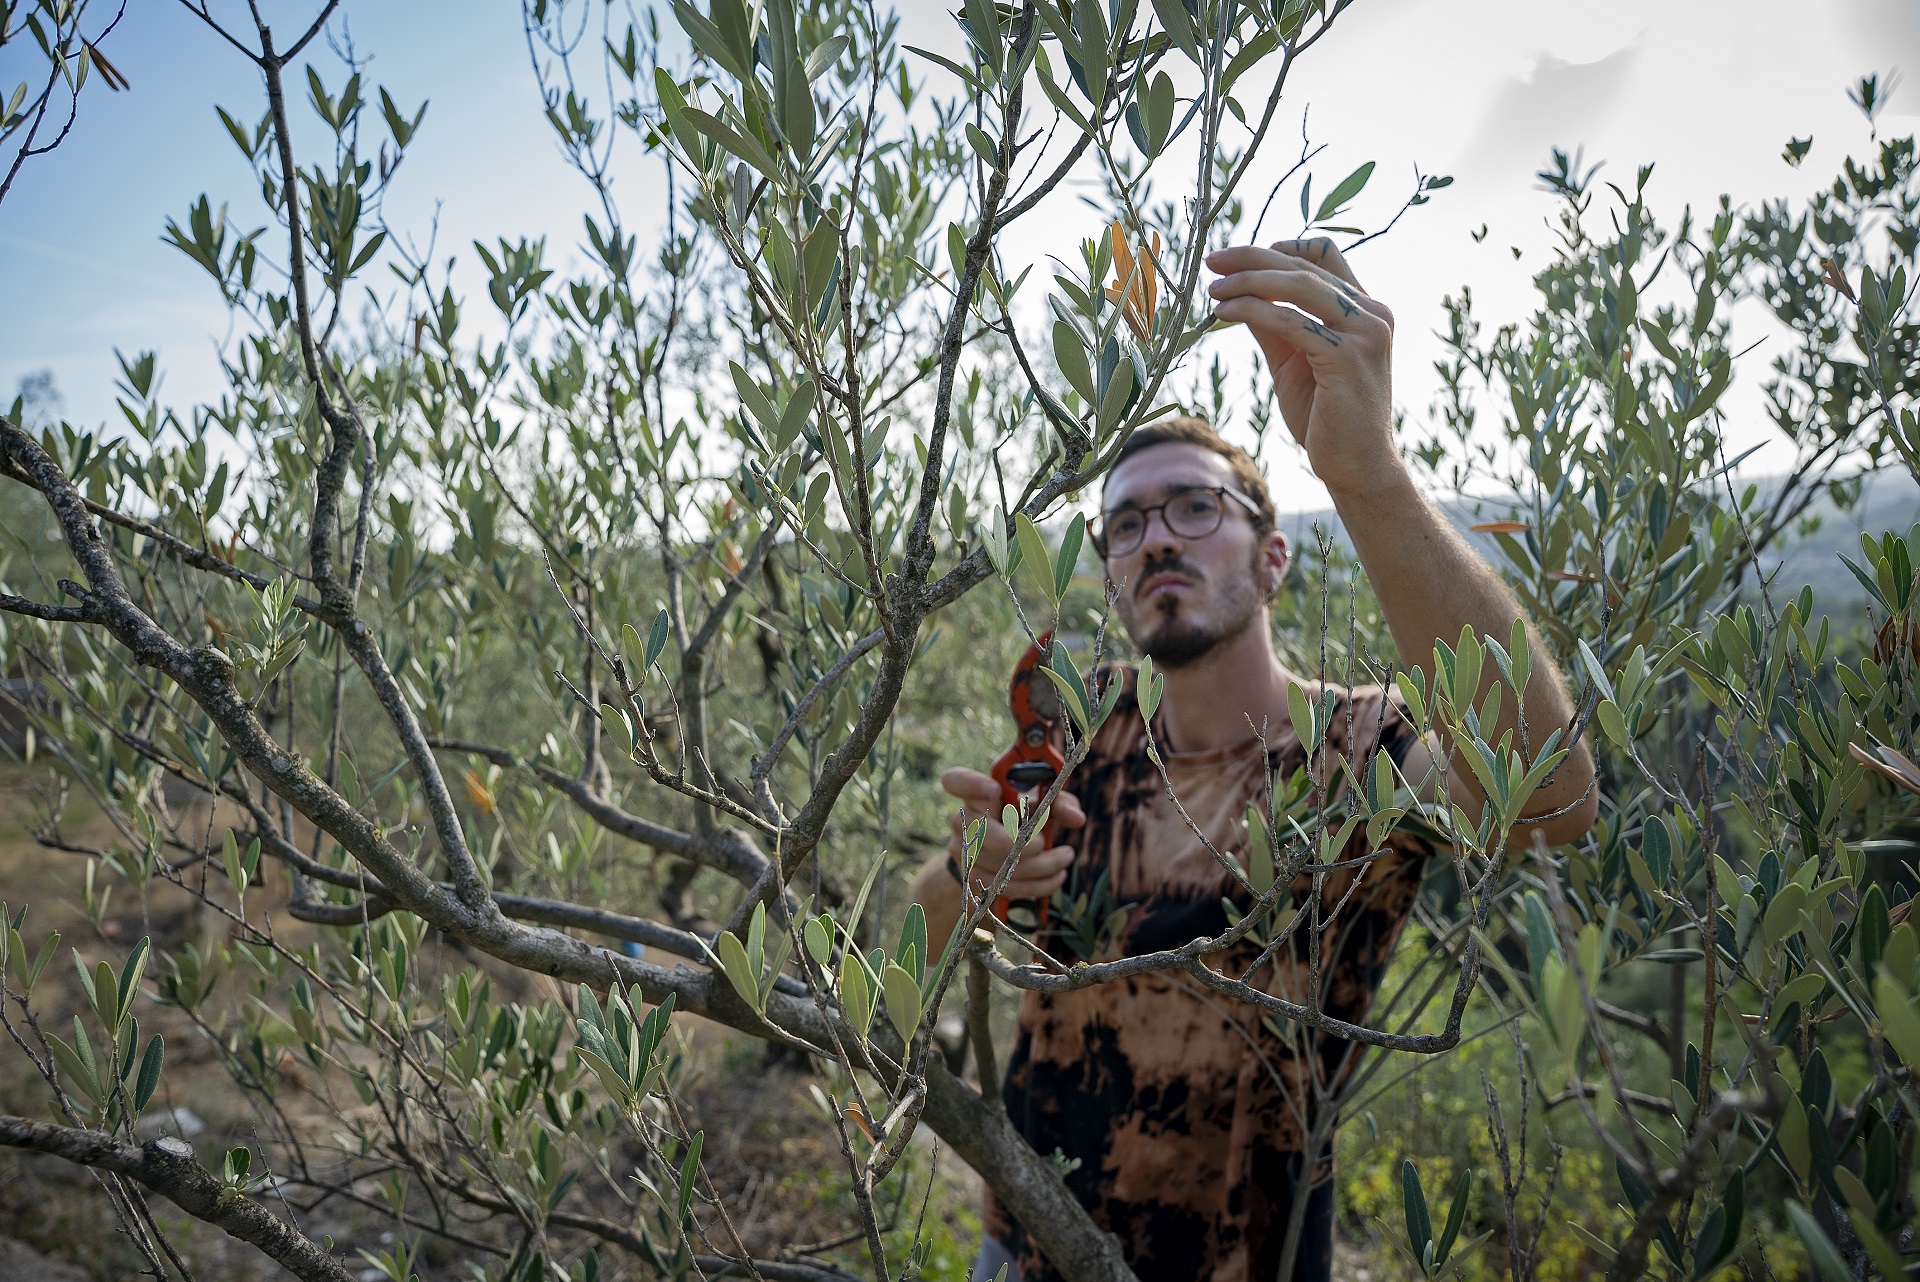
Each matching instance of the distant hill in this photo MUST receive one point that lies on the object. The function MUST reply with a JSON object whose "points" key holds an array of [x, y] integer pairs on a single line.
{"points": [[1889, 501]]}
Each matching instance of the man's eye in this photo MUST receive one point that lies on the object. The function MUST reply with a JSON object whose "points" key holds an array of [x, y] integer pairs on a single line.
{"points": [[1124, 525], [1197, 504]]}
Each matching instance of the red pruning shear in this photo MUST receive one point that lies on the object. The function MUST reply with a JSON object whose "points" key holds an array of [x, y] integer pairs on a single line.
{"points": [[1035, 760]]}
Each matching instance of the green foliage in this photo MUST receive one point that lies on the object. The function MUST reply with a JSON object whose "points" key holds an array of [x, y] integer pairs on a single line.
{"points": [[1754, 748], [620, 1049], [1431, 1254]]}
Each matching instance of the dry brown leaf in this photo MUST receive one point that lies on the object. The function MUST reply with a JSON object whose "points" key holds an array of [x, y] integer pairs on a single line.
{"points": [[1135, 289], [481, 794], [109, 74], [1888, 764], [1838, 279]]}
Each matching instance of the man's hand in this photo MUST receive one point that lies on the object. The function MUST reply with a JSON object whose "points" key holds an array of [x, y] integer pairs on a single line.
{"points": [[1040, 872], [1330, 347]]}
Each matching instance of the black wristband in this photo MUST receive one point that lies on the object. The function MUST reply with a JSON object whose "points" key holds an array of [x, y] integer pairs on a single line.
{"points": [[953, 871]]}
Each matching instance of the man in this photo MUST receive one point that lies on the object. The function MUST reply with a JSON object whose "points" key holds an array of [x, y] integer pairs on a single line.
{"points": [[1187, 1116]]}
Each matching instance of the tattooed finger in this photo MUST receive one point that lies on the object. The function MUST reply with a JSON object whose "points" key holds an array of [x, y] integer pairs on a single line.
{"points": [[1315, 328]]}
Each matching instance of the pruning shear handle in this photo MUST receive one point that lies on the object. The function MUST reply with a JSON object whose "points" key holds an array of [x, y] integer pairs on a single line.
{"points": [[1027, 769]]}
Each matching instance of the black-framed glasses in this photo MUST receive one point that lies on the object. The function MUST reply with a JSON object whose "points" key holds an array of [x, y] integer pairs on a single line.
{"points": [[1192, 513]]}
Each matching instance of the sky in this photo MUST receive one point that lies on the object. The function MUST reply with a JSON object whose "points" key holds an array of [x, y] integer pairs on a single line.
{"points": [[1706, 90]]}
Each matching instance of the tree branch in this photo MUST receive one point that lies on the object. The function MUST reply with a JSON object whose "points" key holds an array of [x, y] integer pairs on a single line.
{"points": [[11, 604], [198, 558], [167, 1166], [725, 850]]}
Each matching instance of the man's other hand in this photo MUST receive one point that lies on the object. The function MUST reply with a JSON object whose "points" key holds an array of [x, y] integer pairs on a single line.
{"points": [[1039, 872]]}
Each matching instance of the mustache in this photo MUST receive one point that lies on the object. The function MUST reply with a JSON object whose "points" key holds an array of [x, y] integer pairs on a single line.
{"points": [[1167, 563]]}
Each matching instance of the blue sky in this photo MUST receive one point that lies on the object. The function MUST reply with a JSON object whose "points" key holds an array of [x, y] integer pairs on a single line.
{"points": [[1708, 89], [81, 255]]}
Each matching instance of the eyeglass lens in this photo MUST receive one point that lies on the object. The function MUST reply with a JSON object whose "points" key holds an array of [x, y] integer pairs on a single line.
{"points": [[1191, 514]]}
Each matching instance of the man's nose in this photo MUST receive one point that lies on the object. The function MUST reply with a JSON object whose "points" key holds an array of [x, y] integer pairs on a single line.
{"points": [[1159, 535]]}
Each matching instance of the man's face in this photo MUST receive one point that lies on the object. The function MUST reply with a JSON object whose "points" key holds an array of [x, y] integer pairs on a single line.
{"points": [[1180, 597]]}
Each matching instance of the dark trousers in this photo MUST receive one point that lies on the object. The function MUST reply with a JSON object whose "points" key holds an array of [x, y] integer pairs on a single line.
{"points": [[1313, 1262]]}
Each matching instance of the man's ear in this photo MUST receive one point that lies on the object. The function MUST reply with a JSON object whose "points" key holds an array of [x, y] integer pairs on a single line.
{"points": [[1278, 559]]}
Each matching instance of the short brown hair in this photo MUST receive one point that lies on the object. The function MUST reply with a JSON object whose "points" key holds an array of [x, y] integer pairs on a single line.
{"points": [[1190, 430]]}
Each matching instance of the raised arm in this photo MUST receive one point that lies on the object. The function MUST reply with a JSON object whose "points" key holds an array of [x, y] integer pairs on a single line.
{"points": [[1330, 347]]}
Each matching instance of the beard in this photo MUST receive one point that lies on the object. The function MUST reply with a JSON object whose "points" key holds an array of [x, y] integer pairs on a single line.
{"points": [[1176, 640]]}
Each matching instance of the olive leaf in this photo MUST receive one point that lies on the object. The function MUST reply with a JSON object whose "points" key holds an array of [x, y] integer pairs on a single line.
{"points": [[1068, 555], [1065, 677], [856, 994], [818, 937], [149, 1078], [689, 1171], [1413, 1204], [1150, 684], [1033, 550], [741, 970], [1344, 191], [903, 1000]]}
